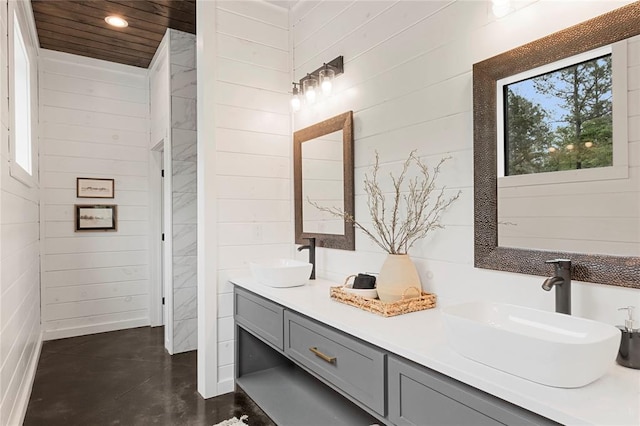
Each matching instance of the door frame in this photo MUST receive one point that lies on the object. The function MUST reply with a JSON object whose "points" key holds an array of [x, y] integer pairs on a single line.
{"points": [[156, 273], [161, 264]]}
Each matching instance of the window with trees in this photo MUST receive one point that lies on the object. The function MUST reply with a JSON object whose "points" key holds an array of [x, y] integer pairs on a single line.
{"points": [[560, 120], [559, 117]]}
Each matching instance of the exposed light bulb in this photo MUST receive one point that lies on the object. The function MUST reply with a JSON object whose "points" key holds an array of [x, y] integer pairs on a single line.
{"points": [[501, 8], [310, 94], [327, 86], [295, 100], [295, 103], [326, 76], [116, 21], [309, 86]]}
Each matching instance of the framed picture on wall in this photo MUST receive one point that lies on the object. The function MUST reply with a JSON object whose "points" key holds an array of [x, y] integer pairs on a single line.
{"points": [[94, 188], [96, 217]]}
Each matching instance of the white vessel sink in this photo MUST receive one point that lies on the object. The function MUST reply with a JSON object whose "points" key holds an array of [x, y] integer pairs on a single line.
{"points": [[545, 347], [281, 272]]}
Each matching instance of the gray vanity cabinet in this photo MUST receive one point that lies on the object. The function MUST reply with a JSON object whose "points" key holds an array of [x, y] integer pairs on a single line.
{"points": [[419, 396], [350, 365], [277, 348], [261, 316]]}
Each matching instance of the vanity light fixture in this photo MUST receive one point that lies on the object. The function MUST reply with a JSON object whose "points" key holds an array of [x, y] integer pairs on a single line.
{"points": [[316, 81], [116, 21], [501, 8]]}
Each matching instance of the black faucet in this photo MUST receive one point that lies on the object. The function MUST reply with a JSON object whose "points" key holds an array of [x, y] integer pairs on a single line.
{"points": [[562, 282], [312, 255]]}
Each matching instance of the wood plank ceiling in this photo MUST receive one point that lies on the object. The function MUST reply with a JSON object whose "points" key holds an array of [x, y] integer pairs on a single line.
{"points": [[78, 27]]}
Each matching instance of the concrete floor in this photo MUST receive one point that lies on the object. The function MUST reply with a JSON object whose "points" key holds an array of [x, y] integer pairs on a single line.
{"points": [[126, 378]]}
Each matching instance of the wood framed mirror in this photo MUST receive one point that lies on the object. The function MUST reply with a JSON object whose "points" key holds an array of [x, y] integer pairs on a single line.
{"points": [[323, 173], [589, 266]]}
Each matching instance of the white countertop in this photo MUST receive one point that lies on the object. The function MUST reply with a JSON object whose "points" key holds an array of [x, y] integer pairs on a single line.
{"points": [[614, 399]]}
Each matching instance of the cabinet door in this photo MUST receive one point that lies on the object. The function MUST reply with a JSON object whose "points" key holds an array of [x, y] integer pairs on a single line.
{"points": [[422, 397], [352, 366], [260, 316]]}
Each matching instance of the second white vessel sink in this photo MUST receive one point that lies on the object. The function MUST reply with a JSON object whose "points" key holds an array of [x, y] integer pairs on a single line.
{"points": [[281, 272], [545, 347]]}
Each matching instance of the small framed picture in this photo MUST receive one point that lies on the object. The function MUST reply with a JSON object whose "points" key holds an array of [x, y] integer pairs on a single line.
{"points": [[94, 188], [96, 217]]}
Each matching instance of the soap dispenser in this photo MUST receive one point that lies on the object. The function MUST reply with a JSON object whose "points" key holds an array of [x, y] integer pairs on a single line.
{"points": [[629, 353]]}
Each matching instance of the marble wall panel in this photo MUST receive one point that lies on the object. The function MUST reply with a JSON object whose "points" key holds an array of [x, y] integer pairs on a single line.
{"points": [[184, 186]]}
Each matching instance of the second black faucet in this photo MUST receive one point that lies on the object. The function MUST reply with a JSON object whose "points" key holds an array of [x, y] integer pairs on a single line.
{"points": [[562, 282], [312, 255]]}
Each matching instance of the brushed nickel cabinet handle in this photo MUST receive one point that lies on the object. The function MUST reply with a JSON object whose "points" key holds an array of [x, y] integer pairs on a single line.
{"points": [[329, 359]]}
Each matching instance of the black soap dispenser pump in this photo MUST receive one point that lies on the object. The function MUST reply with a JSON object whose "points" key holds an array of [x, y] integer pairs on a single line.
{"points": [[629, 353]]}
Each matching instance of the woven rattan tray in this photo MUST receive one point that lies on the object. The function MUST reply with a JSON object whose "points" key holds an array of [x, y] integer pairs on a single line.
{"points": [[404, 306]]}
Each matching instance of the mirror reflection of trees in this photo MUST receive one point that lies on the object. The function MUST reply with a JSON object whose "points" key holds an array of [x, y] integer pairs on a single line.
{"points": [[561, 120]]}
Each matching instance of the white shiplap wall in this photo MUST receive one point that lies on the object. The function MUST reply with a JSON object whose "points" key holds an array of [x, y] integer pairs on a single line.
{"points": [[20, 333], [253, 150], [408, 80], [94, 123]]}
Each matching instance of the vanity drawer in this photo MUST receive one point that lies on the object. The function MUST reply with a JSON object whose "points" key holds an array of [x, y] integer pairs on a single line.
{"points": [[419, 396], [352, 366], [261, 316]]}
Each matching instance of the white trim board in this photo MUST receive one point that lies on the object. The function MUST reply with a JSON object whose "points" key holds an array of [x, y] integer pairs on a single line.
{"points": [[92, 62], [21, 404], [207, 74], [93, 329]]}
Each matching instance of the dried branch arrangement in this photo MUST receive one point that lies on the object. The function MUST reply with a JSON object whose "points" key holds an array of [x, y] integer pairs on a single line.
{"points": [[415, 210]]}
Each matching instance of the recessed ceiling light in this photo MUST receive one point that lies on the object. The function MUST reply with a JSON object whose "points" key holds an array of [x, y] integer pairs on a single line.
{"points": [[116, 21]]}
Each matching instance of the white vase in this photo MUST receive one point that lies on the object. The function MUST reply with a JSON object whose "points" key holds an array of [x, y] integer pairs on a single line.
{"points": [[398, 273]]}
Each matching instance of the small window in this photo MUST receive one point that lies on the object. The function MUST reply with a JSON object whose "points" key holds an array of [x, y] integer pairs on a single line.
{"points": [[20, 104], [560, 120]]}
